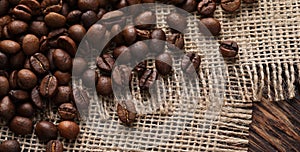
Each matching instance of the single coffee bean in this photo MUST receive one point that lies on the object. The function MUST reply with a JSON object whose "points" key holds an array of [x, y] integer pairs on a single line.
{"points": [[68, 129], [126, 112], [190, 63], [17, 27], [207, 7], [17, 61], [164, 63], [4, 7], [147, 79], [77, 32], [13, 77], [19, 95], [145, 20], [105, 63], [9, 47], [96, 32], [38, 28], [177, 22], [88, 19], [121, 75], [62, 60], [22, 12], [55, 20], [63, 78], [44, 45], [116, 32], [4, 86], [55, 34], [21, 125], [46, 131], [143, 34], [104, 86], [7, 109], [74, 17], [67, 111], [79, 66], [26, 110], [230, 5], [63, 95], [139, 50], [175, 41], [229, 48], [46, 3], [26, 79], [34, 5], [112, 18], [85, 5], [81, 99], [30, 44], [129, 34], [89, 78], [54, 146], [36, 98], [66, 43], [126, 55], [48, 86], [10, 146], [212, 24], [3, 61], [189, 5], [157, 43], [249, 1], [39, 63]]}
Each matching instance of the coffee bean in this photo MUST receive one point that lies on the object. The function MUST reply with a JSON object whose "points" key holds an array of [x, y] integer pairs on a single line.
{"points": [[210, 26], [207, 7], [68, 129], [34, 5], [140, 68], [129, 34], [4, 20], [46, 3], [77, 32], [9, 47], [10, 146], [145, 20], [79, 66], [229, 48], [230, 5], [3, 61], [51, 60], [54, 146], [39, 63], [30, 44], [126, 55], [105, 63], [36, 98], [143, 34], [116, 32], [164, 63], [55, 34], [19, 95], [157, 43], [96, 32], [104, 86], [63, 95], [88, 77], [26, 79], [46, 131], [4, 7], [13, 77], [147, 78], [44, 45], [48, 86], [63, 78], [4, 86], [88, 19], [67, 111], [26, 110], [74, 17], [139, 50], [17, 27], [85, 5], [189, 5], [55, 20], [126, 112], [190, 63], [17, 61], [121, 75], [112, 18], [7, 109], [249, 1], [177, 22], [66, 43], [22, 12], [62, 60], [54, 8], [21, 125], [81, 99], [175, 41]]}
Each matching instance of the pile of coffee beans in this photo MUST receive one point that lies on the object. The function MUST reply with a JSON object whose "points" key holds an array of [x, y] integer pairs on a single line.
{"points": [[38, 44]]}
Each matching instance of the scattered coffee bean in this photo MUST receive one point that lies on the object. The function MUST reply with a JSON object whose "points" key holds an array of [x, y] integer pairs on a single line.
{"points": [[30, 44], [63, 95], [22, 12], [79, 66], [88, 77], [40, 63], [190, 63], [207, 7], [105, 63], [67, 111], [147, 78], [13, 77], [229, 48], [46, 131], [66, 43], [113, 18], [85, 5], [175, 41], [189, 5], [10, 146], [7, 109], [63, 78], [88, 19], [177, 22], [17, 27], [145, 20], [77, 32], [55, 20], [129, 34], [104, 86], [17, 61], [19, 95], [38, 28], [157, 43], [9, 47], [3, 61], [4, 86], [54, 146], [81, 99], [26, 79], [68, 129], [139, 50], [62, 60], [210, 26], [21, 125], [126, 55], [36, 98], [230, 5], [48, 86], [121, 75], [26, 110], [74, 16], [164, 63], [126, 112]]}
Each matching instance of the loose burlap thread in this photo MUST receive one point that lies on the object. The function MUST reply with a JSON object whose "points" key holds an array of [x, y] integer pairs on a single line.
{"points": [[268, 35]]}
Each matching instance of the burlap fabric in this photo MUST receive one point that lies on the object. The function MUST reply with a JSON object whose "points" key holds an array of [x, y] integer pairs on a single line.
{"points": [[268, 36]]}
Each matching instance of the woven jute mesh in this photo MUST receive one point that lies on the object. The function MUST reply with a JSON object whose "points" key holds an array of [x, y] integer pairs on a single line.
{"points": [[268, 34]]}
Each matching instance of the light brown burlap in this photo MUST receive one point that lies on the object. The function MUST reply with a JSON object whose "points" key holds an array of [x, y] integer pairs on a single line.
{"points": [[268, 35]]}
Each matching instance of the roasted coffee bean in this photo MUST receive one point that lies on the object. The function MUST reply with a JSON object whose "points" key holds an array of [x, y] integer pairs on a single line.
{"points": [[81, 99], [139, 50], [17, 27], [44, 45], [77, 32], [145, 20], [63, 78], [26, 79], [26, 110], [175, 41], [126, 55], [67, 111], [48, 86], [55, 20], [5, 33], [121, 75], [79, 66], [164, 63], [68, 129], [13, 77], [10, 146], [19, 95], [96, 33], [85, 5], [36, 98], [63, 95], [210, 26], [126, 112], [129, 34], [157, 43], [55, 34], [54, 146], [34, 5], [112, 18], [88, 19], [190, 63], [189, 5], [4, 7], [105, 63], [229, 48], [4, 86], [27, 64], [7, 109], [51, 60], [230, 5], [143, 34], [17, 61], [74, 17], [66, 43], [46, 131], [116, 32], [30, 44], [9, 47], [147, 79], [104, 86], [177, 22], [22, 12], [54, 8], [39, 63], [89, 78], [3, 61], [21, 125], [249, 1], [4, 20], [207, 7], [46, 3], [62, 60]]}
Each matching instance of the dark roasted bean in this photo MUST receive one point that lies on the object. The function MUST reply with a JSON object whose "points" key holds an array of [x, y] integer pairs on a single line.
{"points": [[126, 112], [26, 110], [21, 125], [10, 146], [68, 129], [39, 63], [229, 48], [7, 109], [46, 131], [26, 79], [48, 86], [67, 111], [105, 63], [54, 146], [164, 63]]}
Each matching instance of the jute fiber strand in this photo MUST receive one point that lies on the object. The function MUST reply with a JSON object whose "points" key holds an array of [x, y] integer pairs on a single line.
{"points": [[268, 36]]}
